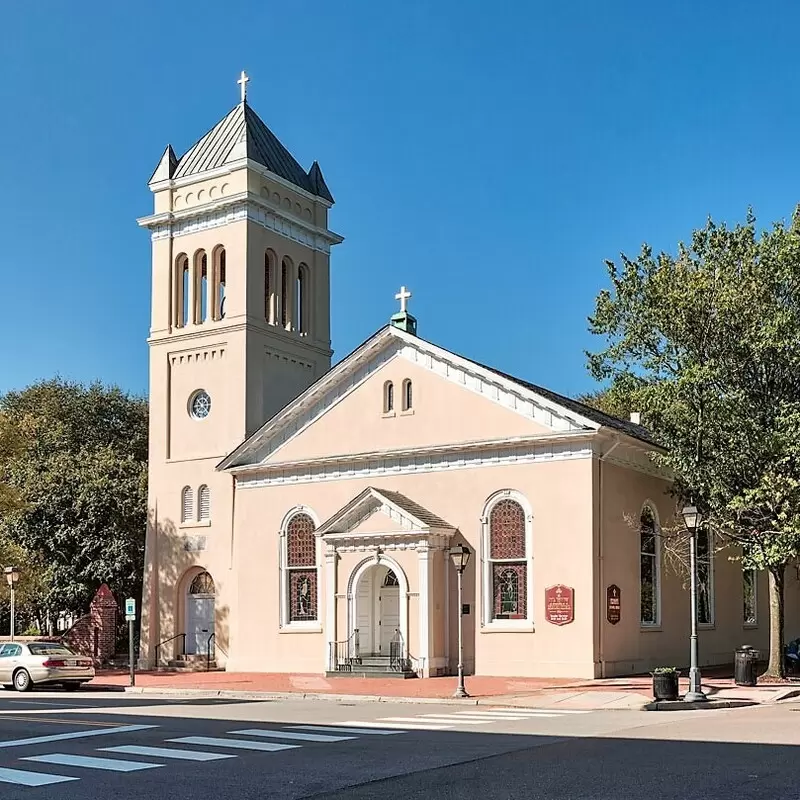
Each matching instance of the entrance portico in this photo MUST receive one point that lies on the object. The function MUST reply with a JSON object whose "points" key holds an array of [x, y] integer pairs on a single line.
{"points": [[387, 581]]}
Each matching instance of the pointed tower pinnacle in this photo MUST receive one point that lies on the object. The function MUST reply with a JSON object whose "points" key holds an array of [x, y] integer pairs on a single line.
{"points": [[166, 167]]}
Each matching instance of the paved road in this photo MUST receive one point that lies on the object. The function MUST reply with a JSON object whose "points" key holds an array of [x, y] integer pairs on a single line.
{"points": [[90, 745]]}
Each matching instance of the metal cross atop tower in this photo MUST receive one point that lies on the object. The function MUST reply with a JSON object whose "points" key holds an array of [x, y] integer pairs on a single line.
{"points": [[403, 296], [243, 80]]}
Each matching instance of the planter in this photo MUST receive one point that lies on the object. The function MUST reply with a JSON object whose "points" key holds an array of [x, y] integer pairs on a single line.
{"points": [[665, 685]]}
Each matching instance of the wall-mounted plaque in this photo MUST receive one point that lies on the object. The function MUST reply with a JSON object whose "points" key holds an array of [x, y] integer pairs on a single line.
{"points": [[559, 604], [613, 604]]}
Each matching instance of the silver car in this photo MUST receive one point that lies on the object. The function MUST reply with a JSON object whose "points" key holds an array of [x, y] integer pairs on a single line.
{"points": [[25, 664]]}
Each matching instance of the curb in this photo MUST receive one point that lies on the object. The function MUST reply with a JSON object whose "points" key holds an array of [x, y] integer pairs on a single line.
{"points": [[709, 705], [232, 694]]}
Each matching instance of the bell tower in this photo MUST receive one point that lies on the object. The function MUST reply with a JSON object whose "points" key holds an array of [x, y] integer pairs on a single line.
{"points": [[240, 324]]}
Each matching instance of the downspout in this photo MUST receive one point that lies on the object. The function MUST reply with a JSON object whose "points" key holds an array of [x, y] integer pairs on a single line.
{"points": [[600, 559]]}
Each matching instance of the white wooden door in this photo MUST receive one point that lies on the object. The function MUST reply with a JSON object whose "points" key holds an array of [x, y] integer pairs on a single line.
{"points": [[364, 614], [199, 623], [390, 616]]}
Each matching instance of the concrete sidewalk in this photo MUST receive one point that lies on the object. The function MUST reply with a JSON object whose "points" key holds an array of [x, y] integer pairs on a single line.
{"points": [[617, 693]]}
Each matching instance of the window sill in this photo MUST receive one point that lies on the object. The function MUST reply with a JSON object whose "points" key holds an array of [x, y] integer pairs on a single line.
{"points": [[409, 412], [749, 626], [516, 626], [706, 626], [206, 523], [388, 415], [301, 627], [648, 628]]}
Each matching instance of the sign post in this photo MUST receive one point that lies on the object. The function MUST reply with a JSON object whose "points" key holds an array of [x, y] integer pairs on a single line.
{"points": [[130, 616]]}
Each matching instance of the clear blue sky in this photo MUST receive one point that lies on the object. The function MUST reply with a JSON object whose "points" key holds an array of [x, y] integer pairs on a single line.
{"points": [[487, 155]]}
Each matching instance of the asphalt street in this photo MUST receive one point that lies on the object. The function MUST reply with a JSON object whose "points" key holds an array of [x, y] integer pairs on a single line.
{"points": [[92, 745]]}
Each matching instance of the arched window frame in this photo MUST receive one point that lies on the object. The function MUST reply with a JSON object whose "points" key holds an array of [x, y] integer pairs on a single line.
{"points": [[187, 504], [655, 619], [219, 283], [388, 397], [303, 302], [487, 605], [271, 310], [204, 504], [408, 395], [287, 289], [285, 569], [182, 291], [200, 288]]}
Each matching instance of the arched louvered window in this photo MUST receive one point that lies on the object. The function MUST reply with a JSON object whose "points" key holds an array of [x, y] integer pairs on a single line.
{"points": [[204, 503], [220, 283], [300, 573], [187, 504], [388, 397], [408, 395]]}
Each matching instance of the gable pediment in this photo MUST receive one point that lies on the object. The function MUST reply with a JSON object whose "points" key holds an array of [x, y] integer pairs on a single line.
{"points": [[377, 512], [540, 414]]}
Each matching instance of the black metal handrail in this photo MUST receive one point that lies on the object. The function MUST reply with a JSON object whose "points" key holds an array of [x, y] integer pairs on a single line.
{"points": [[212, 638], [167, 641], [345, 654], [398, 661]]}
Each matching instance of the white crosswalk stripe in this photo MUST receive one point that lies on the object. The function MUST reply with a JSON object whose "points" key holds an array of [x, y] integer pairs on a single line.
{"points": [[292, 735], [339, 729], [88, 762], [535, 712], [409, 724], [166, 752], [22, 778], [236, 744]]}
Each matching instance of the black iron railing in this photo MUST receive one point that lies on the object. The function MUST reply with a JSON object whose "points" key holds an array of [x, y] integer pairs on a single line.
{"points": [[158, 647], [398, 662], [346, 654], [211, 650]]}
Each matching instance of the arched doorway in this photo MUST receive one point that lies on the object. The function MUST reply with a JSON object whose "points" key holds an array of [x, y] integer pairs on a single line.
{"points": [[377, 610], [200, 602]]}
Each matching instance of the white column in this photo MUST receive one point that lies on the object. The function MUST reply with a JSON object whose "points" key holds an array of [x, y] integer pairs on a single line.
{"points": [[330, 600], [424, 622]]}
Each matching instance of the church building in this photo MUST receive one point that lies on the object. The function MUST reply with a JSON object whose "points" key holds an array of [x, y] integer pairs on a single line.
{"points": [[302, 515]]}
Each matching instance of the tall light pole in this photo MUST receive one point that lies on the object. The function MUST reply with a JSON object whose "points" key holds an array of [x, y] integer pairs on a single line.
{"points": [[12, 576], [693, 519], [460, 555]]}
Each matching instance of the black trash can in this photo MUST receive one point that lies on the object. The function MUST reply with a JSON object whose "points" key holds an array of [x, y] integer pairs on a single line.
{"points": [[744, 666]]}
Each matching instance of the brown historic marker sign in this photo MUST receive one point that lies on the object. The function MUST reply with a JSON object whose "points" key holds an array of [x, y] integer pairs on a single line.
{"points": [[559, 604], [613, 604]]}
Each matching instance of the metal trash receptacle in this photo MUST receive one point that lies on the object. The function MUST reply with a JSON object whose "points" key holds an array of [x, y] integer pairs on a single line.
{"points": [[744, 665]]}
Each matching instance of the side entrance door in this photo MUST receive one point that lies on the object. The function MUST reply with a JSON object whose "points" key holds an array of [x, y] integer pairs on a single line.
{"points": [[389, 616], [199, 623]]}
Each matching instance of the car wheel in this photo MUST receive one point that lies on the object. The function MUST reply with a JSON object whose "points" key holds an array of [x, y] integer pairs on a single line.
{"points": [[70, 687], [22, 680]]}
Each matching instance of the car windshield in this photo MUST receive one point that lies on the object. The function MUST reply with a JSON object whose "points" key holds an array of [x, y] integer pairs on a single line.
{"points": [[47, 649]]}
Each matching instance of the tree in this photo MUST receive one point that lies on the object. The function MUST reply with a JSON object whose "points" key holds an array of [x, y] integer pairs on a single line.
{"points": [[706, 344], [609, 401], [81, 474], [10, 446]]}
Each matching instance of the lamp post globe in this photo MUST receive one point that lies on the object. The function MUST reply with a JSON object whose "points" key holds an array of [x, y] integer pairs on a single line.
{"points": [[460, 555]]}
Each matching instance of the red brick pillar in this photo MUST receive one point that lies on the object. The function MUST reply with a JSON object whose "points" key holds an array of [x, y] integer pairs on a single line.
{"points": [[103, 611]]}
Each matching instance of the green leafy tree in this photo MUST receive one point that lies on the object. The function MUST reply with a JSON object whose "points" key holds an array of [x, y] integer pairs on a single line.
{"points": [[706, 343], [81, 474]]}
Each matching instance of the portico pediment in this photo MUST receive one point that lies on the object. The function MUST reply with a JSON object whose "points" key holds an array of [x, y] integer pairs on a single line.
{"points": [[378, 516]]}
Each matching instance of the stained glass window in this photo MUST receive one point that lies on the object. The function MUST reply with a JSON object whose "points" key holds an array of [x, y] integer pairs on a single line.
{"points": [[507, 555], [203, 583], [648, 568], [200, 406], [301, 561]]}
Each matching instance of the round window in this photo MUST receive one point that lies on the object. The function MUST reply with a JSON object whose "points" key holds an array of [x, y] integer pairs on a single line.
{"points": [[200, 405]]}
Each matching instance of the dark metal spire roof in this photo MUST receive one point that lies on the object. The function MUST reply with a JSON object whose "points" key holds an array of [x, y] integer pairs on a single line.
{"points": [[242, 134]]}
